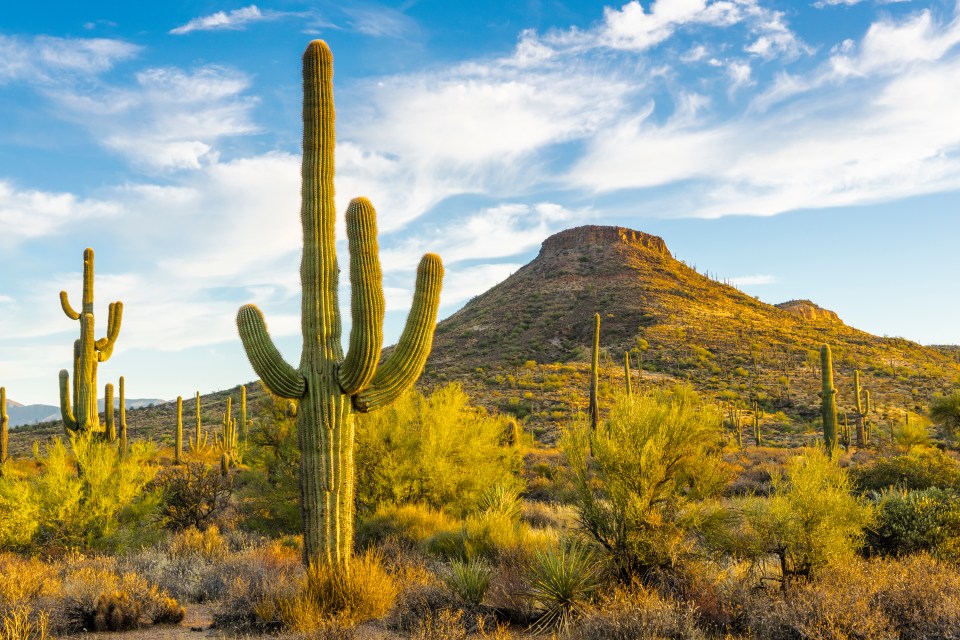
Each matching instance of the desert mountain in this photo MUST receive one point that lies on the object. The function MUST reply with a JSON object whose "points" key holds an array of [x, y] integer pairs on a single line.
{"points": [[523, 346]]}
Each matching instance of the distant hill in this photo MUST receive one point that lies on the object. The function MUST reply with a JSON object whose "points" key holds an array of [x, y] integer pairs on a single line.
{"points": [[523, 346], [31, 413]]}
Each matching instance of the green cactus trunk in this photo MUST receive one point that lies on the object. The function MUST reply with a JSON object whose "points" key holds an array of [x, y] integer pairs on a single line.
{"points": [[828, 399], [243, 414], [199, 421], [178, 434], [4, 428], [328, 386], [83, 416], [861, 413], [594, 407], [111, 426], [123, 418], [626, 373]]}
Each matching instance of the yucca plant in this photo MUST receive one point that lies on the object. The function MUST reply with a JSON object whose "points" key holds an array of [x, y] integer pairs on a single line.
{"points": [[469, 580], [562, 579], [501, 499]]}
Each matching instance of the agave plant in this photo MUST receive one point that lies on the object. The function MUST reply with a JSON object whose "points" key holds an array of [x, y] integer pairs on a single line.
{"points": [[562, 578], [469, 580]]}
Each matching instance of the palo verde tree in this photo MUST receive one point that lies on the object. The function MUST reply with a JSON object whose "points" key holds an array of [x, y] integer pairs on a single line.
{"points": [[327, 386], [83, 415]]}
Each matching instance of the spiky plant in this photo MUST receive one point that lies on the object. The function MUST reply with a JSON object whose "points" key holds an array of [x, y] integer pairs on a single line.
{"points": [[828, 399], [758, 414], [562, 579], [243, 414], [82, 414], [328, 386], [626, 373], [123, 418], [861, 410]]}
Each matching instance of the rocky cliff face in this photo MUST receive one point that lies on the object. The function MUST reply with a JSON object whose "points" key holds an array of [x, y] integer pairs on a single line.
{"points": [[580, 238], [808, 310]]}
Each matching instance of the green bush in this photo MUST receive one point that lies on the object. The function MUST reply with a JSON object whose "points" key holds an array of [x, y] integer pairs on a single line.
{"points": [[436, 450], [89, 497], [640, 481], [810, 521], [912, 521], [917, 470]]}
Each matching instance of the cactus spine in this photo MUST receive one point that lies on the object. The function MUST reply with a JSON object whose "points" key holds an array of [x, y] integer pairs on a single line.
{"points": [[595, 375], [111, 426], [123, 418], [178, 434], [828, 399], [328, 386], [83, 415], [862, 410], [4, 426]]}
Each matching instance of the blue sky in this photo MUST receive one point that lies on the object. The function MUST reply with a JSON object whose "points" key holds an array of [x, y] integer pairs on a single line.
{"points": [[801, 149]]}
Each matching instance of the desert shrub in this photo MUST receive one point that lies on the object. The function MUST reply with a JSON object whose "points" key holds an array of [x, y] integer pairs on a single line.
{"points": [[561, 580], [90, 498], [409, 522], [23, 622], [946, 411], [417, 602], [912, 598], [26, 586], [811, 520], [636, 612], [919, 469], [912, 521], [639, 479], [435, 450], [193, 495]]}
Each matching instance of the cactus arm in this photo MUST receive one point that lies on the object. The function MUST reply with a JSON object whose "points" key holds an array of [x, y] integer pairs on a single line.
{"points": [[67, 309], [406, 362], [366, 302], [105, 345], [66, 412], [282, 379]]}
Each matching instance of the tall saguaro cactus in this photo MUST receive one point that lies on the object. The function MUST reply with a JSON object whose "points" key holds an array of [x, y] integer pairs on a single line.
{"points": [[123, 418], [329, 387], [828, 399], [595, 375], [88, 351], [178, 434]]}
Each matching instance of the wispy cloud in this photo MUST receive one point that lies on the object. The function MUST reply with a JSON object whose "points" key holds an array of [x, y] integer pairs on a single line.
{"points": [[45, 59], [751, 281], [222, 20]]}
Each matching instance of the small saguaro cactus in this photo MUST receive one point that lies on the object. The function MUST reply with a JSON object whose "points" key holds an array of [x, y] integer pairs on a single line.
{"points": [[199, 420], [178, 434], [4, 426], [828, 399], [123, 418], [83, 416], [227, 443], [861, 410], [111, 426], [736, 422], [758, 414], [595, 375], [626, 373], [243, 413], [328, 386]]}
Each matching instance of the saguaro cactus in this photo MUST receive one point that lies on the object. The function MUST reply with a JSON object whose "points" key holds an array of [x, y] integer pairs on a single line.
{"points": [[243, 414], [594, 408], [83, 415], [111, 425], [123, 418], [828, 399], [626, 373], [4, 425], [178, 434], [862, 410], [328, 386], [758, 414]]}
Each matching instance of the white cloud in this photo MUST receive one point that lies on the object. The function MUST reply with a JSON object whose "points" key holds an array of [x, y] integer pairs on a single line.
{"points": [[236, 19], [754, 280], [379, 21], [45, 59], [31, 213]]}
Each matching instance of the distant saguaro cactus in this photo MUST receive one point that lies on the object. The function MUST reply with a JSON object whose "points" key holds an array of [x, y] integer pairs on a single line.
{"points": [[828, 399], [626, 373], [4, 426], [243, 414], [862, 410], [594, 408], [178, 434], [758, 414], [328, 386], [83, 415]]}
